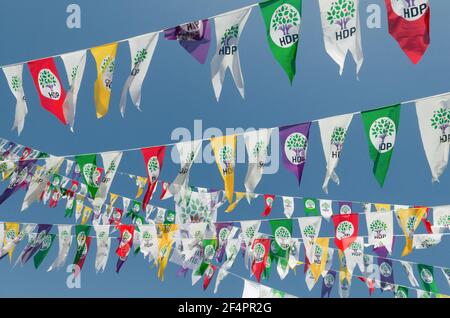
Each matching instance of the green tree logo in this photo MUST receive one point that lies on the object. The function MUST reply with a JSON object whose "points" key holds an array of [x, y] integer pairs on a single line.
{"points": [[385, 269], [89, 173], [444, 220], [400, 294], [411, 223], [107, 65], [49, 84], [259, 152], [426, 276], [344, 229], [259, 251], [328, 280], [338, 137], [356, 248], [428, 242], [11, 234], [153, 168], [230, 34], [226, 155], [309, 231], [285, 18], [378, 226], [223, 234], [139, 57], [383, 132], [441, 119], [46, 242], [296, 145], [250, 232], [341, 12], [318, 254], [16, 83], [283, 237], [345, 209], [73, 73], [81, 240]]}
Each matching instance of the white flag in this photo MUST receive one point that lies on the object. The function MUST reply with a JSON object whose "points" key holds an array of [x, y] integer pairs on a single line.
{"points": [[126, 203], [13, 76], [441, 218], [231, 251], [326, 209], [422, 241], [229, 28], [64, 241], [141, 49], [342, 31], [39, 180], [74, 64], [309, 229], [434, 119], [423, 294], [256, 143], [188, 151], [111, 161], [410, 273], [288, 206], [103, 246], [309, 279], [354, 255], [149, 240], [249, 233], [333, 131], [446, 272], [380, 228], [69, 164]]}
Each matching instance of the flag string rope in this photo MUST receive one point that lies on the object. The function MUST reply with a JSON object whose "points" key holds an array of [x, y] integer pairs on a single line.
{"points": [[207, 139], [131, 37]]}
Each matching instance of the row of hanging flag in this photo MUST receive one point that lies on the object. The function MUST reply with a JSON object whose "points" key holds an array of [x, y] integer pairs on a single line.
{"points": [[408, 23], [197, 247]]}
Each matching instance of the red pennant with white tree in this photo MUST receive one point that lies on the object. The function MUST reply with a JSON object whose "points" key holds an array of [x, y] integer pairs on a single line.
{"points": [[208, 275], [345, 229], [48, 84], [153, 158], [268, 200], [261, 247], [126, 241], [409, 24]]}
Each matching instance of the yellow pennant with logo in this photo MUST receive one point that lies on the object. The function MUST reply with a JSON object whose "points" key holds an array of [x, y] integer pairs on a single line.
{"points": [[232, 206], [320, 254], [112, 198], [11, 233], [381, 207], [409, 221], [140, 182], [86, 214], [343, 270], [225, 153], [105, 57], [165, 244]]}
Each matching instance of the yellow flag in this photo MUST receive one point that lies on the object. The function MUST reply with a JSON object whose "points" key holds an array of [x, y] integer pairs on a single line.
{"points": [[225, 153], [165, 244], [343, 270], [86, 214], [232, 206], [11, 232], [104, 56], [140, 182], [320, 254], [112, 198], [409, 221], [381, 207]]}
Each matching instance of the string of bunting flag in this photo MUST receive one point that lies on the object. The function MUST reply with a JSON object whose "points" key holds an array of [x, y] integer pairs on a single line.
{"points": [[408, 24]]}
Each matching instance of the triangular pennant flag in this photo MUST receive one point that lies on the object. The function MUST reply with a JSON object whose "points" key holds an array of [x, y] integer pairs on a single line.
{"points": [[225, 154], [90, 172], [342, 31], [268, 201], [282, 235], [283, 21], [45, 246], [261, 248], [103, 246], [319, 257], [294, 145], [111, 161], [49, 86], [74, 64], [409, 220], [232, 206], [13, 76], [381, 126], [441, 218], [310, 207], [140, 183], [141, 50], [125, 244], [249, 231], [327, 284], [188, 152], [34, 244], [229, 28], [409, 24], [380, 228], [426, 274], [433, 115], [288, 206], [422, 241], [410, 273], [194, 37], [346, 230], [64, 239], [345, 207], [326, 209], [105, 58], [153, 159], [309, 230], [354, 255], [83, 242], [333, 131], [401, 292]]}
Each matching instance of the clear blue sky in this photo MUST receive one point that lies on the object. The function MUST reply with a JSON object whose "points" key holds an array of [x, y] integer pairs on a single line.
{"points": [[178, 90]]}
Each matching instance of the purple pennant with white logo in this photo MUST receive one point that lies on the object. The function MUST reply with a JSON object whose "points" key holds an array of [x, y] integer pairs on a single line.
{"points": [[386, 269], [19, 179], [294, 145], [194, 37], [327, 284], [223, 231], [345, 207], [35, 244]]}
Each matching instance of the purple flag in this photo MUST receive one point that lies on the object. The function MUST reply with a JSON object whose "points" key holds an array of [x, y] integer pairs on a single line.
{"points": [[327, 284], [195, 37], [345, 207], [386, 273], [222, 232], [7, 149], [35, 244], [294, 144], [19, 179]]}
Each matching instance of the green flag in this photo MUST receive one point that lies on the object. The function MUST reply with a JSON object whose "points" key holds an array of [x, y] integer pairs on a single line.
{"points": [[82, 233], [310, 206], [401, 292], [47, 243], [283, 19], [268, 265], [426, 275], [381, 126], [282, 234], [91, 174], [209, 250]]}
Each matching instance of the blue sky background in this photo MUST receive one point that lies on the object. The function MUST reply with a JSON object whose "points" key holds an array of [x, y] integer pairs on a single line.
{"points": [[178, 90]]}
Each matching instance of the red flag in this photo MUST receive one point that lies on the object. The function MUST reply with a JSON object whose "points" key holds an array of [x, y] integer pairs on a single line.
{"points": [[425, 219], [164, 188], [49, 86], [208, 275], [83, 256], [268, 200], [346, 229], [409, 24], [126, 241], [153, 158], [116, 216], [260, 248]]}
